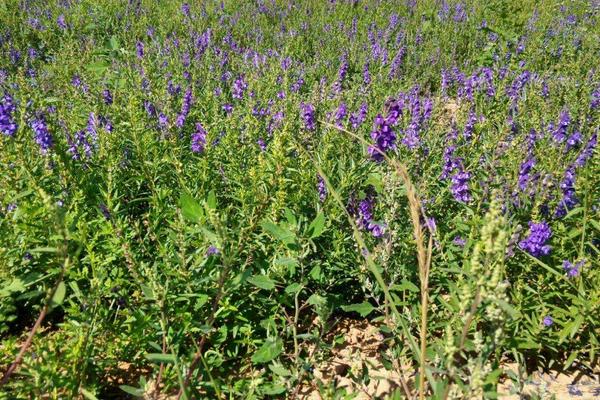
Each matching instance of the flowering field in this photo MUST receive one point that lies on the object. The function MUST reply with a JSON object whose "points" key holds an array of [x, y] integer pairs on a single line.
{"points": [[205, 199]]}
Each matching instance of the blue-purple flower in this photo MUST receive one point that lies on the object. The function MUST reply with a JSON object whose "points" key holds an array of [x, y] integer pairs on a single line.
{"points": [[198, 139], [536, 242], [573, 269], [42, 135], [8, 125]]}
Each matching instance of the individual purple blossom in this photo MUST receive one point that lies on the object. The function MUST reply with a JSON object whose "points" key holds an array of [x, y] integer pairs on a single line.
{"points": [[548, 321], [459, 241], [573, 270], [307, 112], [8, 125], [228, 108], [163, 120], [92, 128], [535, 242], [574, 140], [198, 139], [60, 21], [107, 97], [185, 9], [42, 135], [212, 251], [139, 49], [262, 144]]}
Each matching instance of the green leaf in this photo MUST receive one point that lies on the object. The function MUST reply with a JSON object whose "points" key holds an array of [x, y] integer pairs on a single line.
{"points": [[286, 261], [405, 285], [148, 292], [211, 200], [137, 392], [273, 389], [279, 233], [280, 370], [293, 288], [262, 281], [270, 349], [317, 226], [190, 209], [510, 310], [160, 358], [365, 308], [59, 295], [88, 395]]}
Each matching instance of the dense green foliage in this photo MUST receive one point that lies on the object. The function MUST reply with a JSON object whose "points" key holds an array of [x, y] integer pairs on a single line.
{"points": [[180, 176]]}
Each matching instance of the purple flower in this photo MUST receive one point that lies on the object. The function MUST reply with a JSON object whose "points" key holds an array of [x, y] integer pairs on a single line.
{"points": [[587, 151], [569, 199], [340, 115], [185, 108], [60, 21], [139, 49], [366, 74], [535, 242], [560, 133], [8, 125], [107, 96], [595, 101], [307, 112], [185, 9], [574, 140], [321, 188], [228, 108], [211, 251], [358, 117], [548, 321], [524, 172], [198, 139], [460, 186], [239, 86], [459, 241], [262, 144], [571, 269], [42, 136]]}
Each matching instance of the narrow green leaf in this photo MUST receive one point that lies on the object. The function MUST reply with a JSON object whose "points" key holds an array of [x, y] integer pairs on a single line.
{"points": [[160, 358]]}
